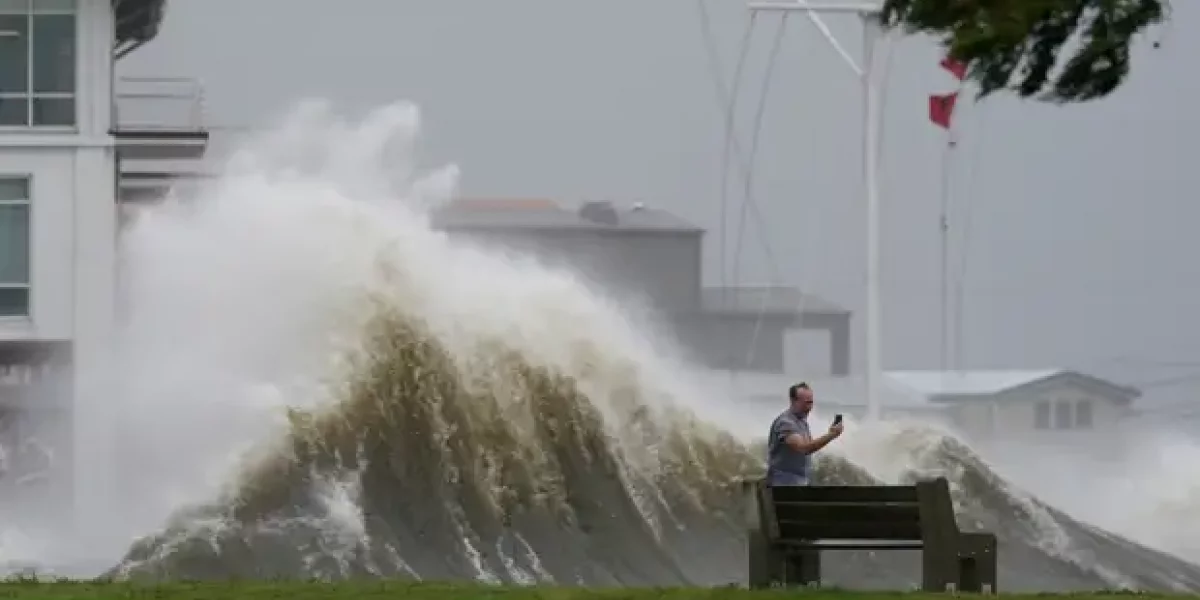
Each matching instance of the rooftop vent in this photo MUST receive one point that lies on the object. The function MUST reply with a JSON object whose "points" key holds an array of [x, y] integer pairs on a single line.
{"points": [[599, 212]]}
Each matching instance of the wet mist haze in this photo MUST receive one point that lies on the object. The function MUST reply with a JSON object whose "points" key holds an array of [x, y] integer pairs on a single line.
{"points": [[304, 350]]}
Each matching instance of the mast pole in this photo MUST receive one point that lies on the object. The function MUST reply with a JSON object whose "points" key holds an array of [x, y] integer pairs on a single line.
{"points": [[868, 14]]}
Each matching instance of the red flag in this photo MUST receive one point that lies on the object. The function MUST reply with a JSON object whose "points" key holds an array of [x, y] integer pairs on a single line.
{"points": [[941, 109], [957, 68]]}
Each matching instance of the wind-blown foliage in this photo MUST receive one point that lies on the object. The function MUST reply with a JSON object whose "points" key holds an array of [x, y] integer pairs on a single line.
{"points": [[1016, 44]]}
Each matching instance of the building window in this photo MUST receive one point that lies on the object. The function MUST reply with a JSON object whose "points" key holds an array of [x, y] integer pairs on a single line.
{"points": [[1083, 414], [37, 63], [1062, 415], [1041, 415], [14, 246]]}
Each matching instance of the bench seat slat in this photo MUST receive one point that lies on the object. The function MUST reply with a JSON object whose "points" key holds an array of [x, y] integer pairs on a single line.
{"points": [[851, 545]]}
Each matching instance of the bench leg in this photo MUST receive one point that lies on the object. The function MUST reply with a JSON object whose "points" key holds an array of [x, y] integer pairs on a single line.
{"points": [[769, 566], [977, 558], [804, 568], [764, 567], [939, 567]]}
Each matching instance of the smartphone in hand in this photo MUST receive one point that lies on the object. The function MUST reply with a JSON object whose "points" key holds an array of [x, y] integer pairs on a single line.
{"points": [[837, 419]]}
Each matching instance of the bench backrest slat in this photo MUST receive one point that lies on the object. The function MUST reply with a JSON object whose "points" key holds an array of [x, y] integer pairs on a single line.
{"points": [[845, 493]]}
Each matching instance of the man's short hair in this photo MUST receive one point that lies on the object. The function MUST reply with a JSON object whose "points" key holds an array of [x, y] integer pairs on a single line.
{"points": [[794, 390]]}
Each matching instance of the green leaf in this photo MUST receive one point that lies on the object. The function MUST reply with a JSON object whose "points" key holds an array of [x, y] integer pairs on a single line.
{"points": [[1050, 50]]}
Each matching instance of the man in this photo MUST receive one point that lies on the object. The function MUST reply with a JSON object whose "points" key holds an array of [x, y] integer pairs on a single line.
{"points": [[790, 445]]}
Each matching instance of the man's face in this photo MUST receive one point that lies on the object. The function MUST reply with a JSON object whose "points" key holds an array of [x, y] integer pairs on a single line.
{"points": [[803, 402]]}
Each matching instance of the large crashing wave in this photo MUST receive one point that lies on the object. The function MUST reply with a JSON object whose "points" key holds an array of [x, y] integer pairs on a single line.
{"points": [[453, 412], [485, 467]]}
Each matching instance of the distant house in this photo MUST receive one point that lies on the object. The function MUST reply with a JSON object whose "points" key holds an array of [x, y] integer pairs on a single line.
{"points": [[982, 404], [1009, 403]]}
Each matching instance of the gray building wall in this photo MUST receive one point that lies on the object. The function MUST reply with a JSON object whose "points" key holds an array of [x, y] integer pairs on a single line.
{"points": [[661, 267], [656, 257], [750, 319], [736, 342]]}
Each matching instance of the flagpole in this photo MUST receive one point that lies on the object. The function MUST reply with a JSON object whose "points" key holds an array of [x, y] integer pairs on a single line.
{"points": [[941, 112], [868, 14], [870, 149]]}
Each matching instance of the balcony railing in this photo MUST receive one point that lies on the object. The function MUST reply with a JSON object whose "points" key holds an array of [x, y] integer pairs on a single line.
{"points": [[174, 104]]}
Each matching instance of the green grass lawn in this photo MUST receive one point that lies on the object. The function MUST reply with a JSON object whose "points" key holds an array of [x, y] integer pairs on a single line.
{"points": [[377, 590]]}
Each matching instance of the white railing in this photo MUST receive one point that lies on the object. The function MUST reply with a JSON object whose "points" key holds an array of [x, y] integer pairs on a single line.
{"points": [[159, 103]]}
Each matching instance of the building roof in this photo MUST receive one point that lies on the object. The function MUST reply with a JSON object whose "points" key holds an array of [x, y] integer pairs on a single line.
{"points": [[956, 385], [967, 383], [503, 214], [765, 299]]}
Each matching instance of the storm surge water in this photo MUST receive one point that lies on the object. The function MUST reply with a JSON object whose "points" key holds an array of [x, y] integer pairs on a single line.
{"points": [[318, 384]]}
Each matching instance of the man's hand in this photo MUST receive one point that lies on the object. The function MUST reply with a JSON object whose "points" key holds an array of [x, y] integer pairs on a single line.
{"points": [[803, 444], [835, 431]]}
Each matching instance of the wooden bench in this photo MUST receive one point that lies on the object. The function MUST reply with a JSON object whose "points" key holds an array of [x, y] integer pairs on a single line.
{"points": [[788, 527]]}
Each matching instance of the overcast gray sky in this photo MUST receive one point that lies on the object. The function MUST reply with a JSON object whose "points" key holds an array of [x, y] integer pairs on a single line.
{"points": [[1078, 252]]}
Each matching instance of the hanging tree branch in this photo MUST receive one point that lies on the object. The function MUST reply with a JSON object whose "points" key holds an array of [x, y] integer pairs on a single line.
{"points": [[1016, 44]]}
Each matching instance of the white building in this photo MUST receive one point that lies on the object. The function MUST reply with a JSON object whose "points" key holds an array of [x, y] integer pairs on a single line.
{"points": [[62, 149], [1034, 403]]}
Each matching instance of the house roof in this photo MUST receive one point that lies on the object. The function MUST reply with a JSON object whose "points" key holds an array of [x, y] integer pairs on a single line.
{"points": [[947, 385], [907, 389], [766, 299], [502, 214], [967, 383]]}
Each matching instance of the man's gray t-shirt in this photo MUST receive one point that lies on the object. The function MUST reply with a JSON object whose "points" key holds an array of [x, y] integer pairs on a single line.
{"points": [[781, 457]]}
